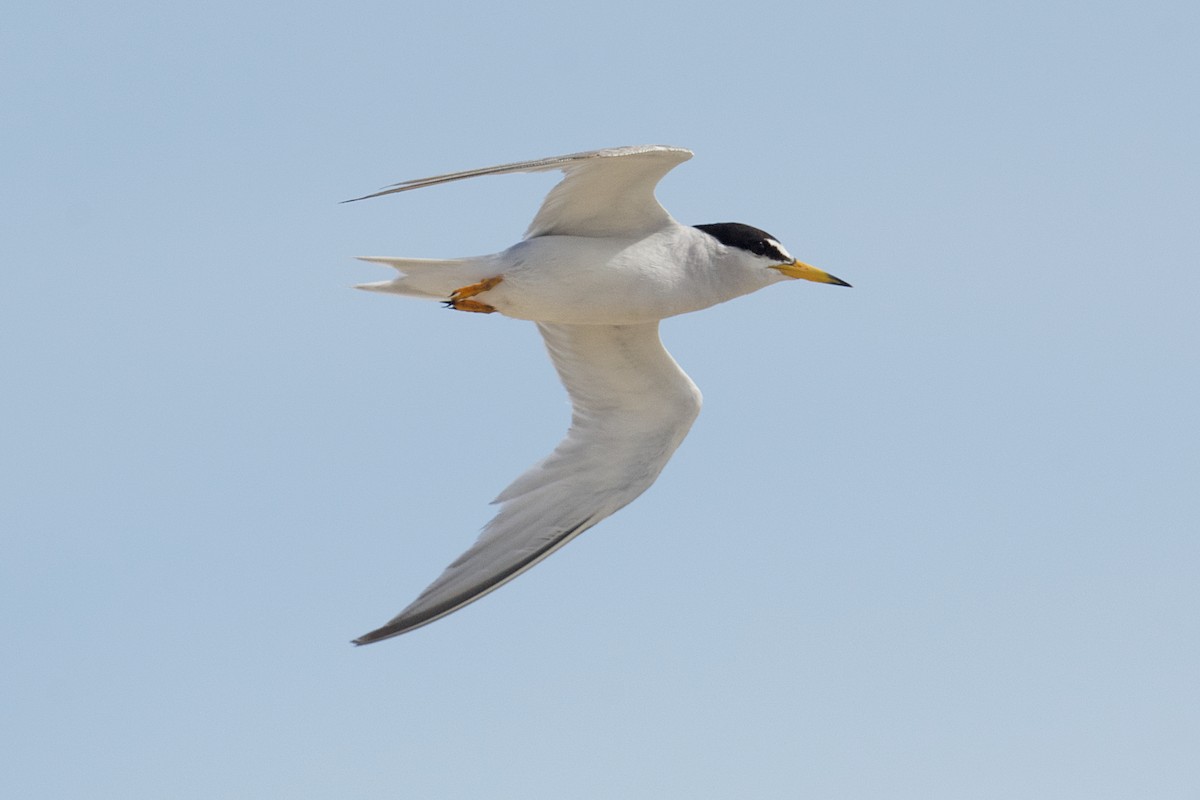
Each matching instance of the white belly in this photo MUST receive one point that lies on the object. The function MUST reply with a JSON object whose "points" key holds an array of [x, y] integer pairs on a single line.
{"points": [[585, 280]]}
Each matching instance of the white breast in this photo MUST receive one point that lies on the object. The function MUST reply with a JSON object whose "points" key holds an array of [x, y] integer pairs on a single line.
{"points": [[604, 280]]}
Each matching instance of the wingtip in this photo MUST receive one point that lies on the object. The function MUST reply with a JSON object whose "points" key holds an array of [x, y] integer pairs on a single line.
{"points": [[380, 193], [379, 634]]}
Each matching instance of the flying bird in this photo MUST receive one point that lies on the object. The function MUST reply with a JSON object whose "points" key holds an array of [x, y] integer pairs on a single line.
{"points": [[601, 264]]}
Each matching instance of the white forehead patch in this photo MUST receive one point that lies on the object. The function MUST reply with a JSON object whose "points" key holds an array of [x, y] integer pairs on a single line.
{"points": [[782, 250]]}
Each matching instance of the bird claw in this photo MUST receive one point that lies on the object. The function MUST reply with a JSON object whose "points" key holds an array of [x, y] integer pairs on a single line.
{"points": [[470, 305], [464, 292], [459, 297]]}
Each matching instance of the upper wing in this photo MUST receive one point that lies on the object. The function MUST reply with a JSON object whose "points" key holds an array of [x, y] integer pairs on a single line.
{"points": [[605, 192], [631, 407]]}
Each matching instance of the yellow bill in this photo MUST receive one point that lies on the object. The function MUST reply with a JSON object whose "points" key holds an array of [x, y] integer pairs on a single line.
{"points": [[798, 269]]}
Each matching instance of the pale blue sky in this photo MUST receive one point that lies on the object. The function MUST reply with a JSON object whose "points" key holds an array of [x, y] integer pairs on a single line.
{"points": [[932, 537]]}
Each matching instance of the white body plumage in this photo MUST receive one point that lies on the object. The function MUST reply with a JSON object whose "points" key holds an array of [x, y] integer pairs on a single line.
{"points": [[601, 264], [584, 280]]}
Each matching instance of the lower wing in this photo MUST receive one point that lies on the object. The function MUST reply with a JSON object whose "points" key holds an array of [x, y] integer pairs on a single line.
{"points": [[631, 407]]}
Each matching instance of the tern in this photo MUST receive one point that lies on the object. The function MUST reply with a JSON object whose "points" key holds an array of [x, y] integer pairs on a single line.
{"points": [[601, 264]]}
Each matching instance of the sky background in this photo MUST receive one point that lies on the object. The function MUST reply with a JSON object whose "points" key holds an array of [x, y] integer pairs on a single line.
{"points": [[932, 537]]}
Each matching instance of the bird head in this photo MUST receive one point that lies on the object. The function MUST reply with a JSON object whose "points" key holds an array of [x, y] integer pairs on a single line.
{"points": [[765, 247]]}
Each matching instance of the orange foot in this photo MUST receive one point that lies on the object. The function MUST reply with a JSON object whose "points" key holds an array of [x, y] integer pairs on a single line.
{"points": [[459, 297], [470, 305]]}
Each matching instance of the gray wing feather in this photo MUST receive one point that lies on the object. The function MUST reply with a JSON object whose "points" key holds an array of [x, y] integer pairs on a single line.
{"points": [[605, 192], [632, 406]]}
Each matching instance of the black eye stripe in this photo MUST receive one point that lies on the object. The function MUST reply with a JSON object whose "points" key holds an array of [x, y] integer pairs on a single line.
{"points": [[745, 237]]}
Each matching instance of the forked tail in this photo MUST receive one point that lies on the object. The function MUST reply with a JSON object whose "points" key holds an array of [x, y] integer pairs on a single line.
{"points": [[427, 277]]}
